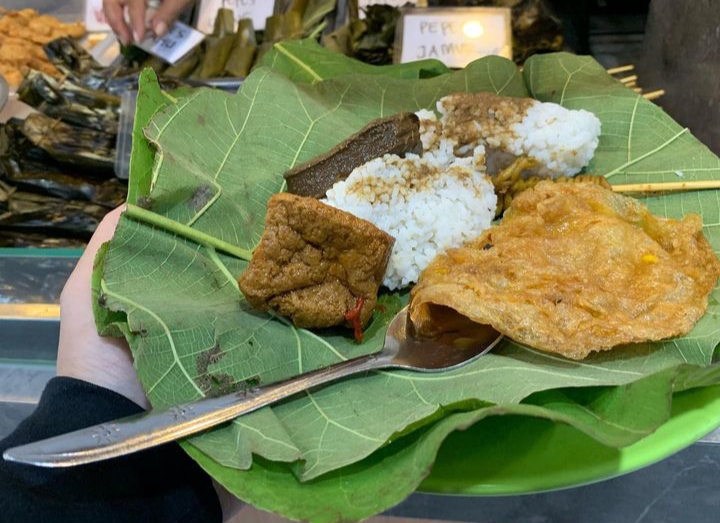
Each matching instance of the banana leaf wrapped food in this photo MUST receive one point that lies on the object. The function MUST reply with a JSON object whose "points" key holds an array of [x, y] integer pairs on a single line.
{"points": [[82, 70], [370, 39], [15, 239], [71, 145], [244, 49], [76, 64], [26, 212], [29, 168], [217, 47], [230, 52], [38, 177], [185, 66], [69, 102]]}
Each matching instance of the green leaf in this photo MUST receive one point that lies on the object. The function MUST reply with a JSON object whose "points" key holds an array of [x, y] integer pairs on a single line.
{"points": [[150, 98], [640, 142], [247, 439], [218, 178], [220, 157], [387, 476], [351, 494], [107, 322], [306, 61]]}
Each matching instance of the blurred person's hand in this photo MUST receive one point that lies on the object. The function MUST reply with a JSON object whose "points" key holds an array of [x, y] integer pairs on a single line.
{"points": [[159, 21], [82, 352]]}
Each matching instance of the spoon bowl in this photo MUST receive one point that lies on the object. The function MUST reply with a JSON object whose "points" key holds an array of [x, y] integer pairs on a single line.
{"points": [[456, 342]]}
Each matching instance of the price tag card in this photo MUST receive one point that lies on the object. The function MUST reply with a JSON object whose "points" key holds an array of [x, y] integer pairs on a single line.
{"points": [[455, 36], [176, 43], [95, 17], [257, 10]]}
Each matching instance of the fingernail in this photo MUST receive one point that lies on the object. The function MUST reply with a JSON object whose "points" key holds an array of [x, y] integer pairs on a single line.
{"points": [[160, 28], [136, 37]]}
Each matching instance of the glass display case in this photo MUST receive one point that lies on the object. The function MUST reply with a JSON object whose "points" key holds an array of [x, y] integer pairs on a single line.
{"points": [[31, 280]]}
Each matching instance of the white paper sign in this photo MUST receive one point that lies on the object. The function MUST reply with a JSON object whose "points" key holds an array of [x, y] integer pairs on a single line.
{"points": [[95, 17], [257, 10], [176, 43], [455, 36]]}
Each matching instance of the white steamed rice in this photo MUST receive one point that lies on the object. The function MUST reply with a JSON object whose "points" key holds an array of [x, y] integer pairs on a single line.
{"points": [[428, 204], [562, 140], [444, 198]]}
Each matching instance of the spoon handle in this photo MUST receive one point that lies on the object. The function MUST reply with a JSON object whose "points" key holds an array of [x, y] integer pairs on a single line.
{"points": [[149, 429]]}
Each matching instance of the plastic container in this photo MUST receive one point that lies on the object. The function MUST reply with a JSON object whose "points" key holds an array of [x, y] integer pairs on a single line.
{"points": [[123, 144]]}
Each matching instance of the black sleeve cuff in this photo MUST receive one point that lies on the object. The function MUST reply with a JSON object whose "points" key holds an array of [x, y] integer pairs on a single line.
{"points": [[160, 484]]}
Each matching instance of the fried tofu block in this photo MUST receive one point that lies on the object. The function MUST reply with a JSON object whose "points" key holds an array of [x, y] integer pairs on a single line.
{"points": [[316, 264], [576, 268]]}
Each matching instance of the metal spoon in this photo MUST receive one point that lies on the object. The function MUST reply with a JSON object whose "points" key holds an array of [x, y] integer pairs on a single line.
{"points": [[461, 342]]}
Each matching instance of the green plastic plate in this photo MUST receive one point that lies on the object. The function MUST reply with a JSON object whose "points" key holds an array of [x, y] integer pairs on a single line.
{"points": [[506, 455]]}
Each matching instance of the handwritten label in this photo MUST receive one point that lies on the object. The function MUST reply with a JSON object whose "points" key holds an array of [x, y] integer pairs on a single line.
{"points": [[257, 10], [176, 43], [95, 20], [454, 36]]}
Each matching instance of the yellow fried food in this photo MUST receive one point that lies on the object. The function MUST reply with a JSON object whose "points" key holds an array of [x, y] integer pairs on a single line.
{"points": [[575, 268], [16, 53], [11, 73], [22, 35]]}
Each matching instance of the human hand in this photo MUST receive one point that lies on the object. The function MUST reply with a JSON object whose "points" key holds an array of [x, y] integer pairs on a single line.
{"points": [[107, 362], [82, 352], [159, 21]]}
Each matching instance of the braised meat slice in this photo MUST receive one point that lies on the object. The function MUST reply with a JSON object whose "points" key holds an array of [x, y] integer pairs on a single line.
{"points": [[316, 264]]}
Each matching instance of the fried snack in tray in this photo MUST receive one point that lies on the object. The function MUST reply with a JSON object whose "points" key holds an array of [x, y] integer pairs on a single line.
{"points": [[575, 268], [316, 264], [22, 35]]}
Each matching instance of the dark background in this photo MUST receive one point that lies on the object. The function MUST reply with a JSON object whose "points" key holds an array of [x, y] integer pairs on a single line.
{"points": [[674, 45]]}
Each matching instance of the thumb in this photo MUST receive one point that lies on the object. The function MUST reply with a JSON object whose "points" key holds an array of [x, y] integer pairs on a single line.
{"points": [[166, 15]]}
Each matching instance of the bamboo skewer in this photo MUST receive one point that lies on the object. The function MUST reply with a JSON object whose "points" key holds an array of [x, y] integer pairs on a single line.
{"points": [[631, 81], [652, 95], [667, 186], [621, 69]]}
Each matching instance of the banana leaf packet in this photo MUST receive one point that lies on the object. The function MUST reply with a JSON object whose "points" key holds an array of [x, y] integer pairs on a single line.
{"points": [[242, 56], [371, 39], [217, 47], [26, 212], [233, 52], [27, 167], [71, 145], [71, 103]]}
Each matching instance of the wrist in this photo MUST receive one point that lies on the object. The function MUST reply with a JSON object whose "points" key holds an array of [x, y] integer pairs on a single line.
{"points": [[105, 362]]}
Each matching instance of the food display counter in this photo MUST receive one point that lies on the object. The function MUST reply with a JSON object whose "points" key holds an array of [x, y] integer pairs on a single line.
{"points": [[30, 286]]}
